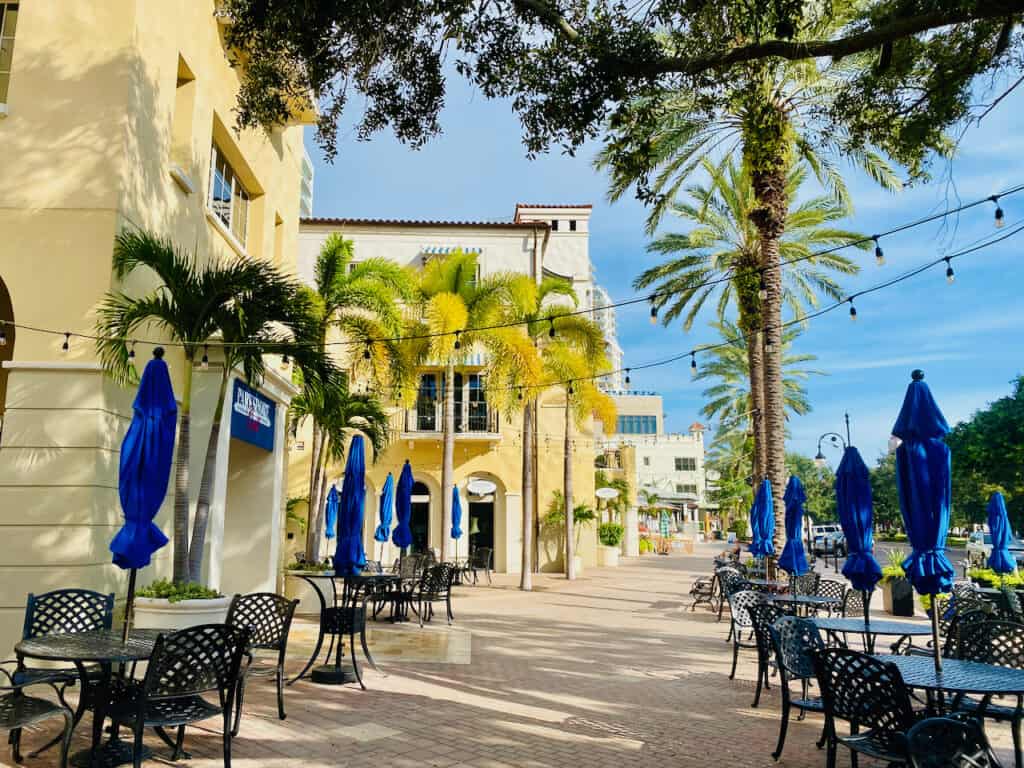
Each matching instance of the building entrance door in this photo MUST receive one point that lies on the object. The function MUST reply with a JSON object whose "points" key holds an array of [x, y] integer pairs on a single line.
{"points": [[481, 525], [419, 521]]}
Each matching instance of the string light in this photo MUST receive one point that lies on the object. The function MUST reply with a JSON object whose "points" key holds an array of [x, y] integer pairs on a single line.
{"points": [[67, 342], [767, 341], [693, 364], [853, 310], [131, 351], [519, 395], [366, 351], [950, 277], [458, 339], [879, 256], [1000, 221], [627, 377], [551, 330], [654, 311], [3, 338], [570, 388], [205, 362], [285, 361], [762, 287]]}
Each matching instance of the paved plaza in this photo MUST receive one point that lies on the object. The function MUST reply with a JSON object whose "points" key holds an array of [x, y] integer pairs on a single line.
{"points": [[609, 671]]}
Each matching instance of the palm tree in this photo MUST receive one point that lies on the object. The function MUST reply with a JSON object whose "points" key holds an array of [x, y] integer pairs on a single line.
{"points": [[361, 301], [576, 367], [730, 456], [457, 310], [729, 398], [723, 239], [236, 302], [616, 506]]}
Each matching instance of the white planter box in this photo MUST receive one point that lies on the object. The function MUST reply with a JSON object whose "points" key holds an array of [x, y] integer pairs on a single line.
{"points": [[607, 557], [577, 563], [158, 613]]}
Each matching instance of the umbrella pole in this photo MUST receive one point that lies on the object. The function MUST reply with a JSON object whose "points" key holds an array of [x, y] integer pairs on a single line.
{"points": [[935, 637], [129, 605], [866, 597]]}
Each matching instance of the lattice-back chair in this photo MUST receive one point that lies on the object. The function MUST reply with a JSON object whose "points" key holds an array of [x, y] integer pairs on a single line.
{"points": [[268, 617], [1000, 643], [833, 589], [941, 742], [808, 583], [853, 604], [729, 581], [704, 590], [408, 566], [481, 559], [795, 641], [960, 621], [868, 694], [435, 587], [373, 566], [18, 711], [742, 622], [1008, 605], [763, 615], [185, 668], [64, 611]]}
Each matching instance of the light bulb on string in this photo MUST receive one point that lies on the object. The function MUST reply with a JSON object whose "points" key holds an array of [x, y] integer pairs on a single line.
{"points": [[853, 311], [762, 287], [570, 388], [1000, 221], [458, 339], [67, 342], [3, 337], [520, 394], [285, 361], [654, 312], [366, 351], [205, 362], [627, 377], [950, 276], [879, 255], [693, 364], [551, 330], [131, 351]]}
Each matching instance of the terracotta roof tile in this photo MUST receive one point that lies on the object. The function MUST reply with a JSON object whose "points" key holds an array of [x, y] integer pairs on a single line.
{"points": [[424, 223]]}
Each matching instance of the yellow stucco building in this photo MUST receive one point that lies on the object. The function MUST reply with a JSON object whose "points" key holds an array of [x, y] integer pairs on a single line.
{"points": [[540, 240], [116, 115]]}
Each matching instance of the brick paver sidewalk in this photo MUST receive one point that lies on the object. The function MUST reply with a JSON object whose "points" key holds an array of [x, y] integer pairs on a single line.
{"points": [[609, 671]]}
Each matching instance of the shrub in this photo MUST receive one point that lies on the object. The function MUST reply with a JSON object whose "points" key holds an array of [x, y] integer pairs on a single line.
{"points": [[610, 534], [739, 527], [175, 592], [324, 566]]}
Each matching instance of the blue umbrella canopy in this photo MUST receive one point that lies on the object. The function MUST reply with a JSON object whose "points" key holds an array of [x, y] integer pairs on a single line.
{"points": [[387, 501], [762, 522], [856, 516], [456, 513], [331, 513], [145, 466], [793, 559], [1000, 560], [402, 536], [349, 557], [923, 481]]}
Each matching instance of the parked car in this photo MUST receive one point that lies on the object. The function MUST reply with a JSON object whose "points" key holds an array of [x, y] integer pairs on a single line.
{"points": [[828, 539], [979, 547]]}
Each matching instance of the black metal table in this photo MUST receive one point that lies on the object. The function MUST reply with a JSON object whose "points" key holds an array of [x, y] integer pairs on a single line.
{"points": [[958, 677], [353, 596], [873, 628], [805, 601], [777, 584], [104, 649]]}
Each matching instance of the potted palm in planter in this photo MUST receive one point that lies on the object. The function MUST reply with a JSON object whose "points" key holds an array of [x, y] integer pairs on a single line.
{"points": [[239, 309], [582, 515], [897, 593], [610, 537]]}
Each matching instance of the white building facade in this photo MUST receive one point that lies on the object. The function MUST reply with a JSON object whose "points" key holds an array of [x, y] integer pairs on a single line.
{"points": [[604, 316]]}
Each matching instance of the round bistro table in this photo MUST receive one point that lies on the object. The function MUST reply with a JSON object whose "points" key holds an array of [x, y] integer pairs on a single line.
{"points": [[958, 677], [805, 601], [103, 648], [873, 628]]}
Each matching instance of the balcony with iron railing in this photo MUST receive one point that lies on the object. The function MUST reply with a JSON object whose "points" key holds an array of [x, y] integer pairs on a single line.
{"points": [[473, 421]]}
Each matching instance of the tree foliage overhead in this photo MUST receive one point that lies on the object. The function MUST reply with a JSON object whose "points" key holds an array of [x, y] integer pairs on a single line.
{"points": [[909, 67]]}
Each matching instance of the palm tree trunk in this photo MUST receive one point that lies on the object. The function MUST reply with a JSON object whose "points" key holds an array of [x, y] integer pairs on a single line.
{"points": [[536, 501], [321, 490], [312, 535], [570, 543], [196, 549], [755, 364], [526, 566], [448, 460], [181, 489]]}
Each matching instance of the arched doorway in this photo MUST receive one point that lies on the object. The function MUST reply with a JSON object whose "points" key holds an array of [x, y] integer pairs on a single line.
{"points": [[481, 524], [7, 331], [419, 520]]}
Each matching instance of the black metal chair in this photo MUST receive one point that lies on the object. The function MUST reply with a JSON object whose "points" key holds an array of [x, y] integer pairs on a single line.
{"points": [[949, 742], [184, 666], [833, 589], [435, 587], [19, 711], [853, 604], [741, 621], [866, 693], [808, 583], [1000, 643], [763, 615], [795, 641], [729, 581], [268, 617], [64, 611], [703, 591], [480, 559]]}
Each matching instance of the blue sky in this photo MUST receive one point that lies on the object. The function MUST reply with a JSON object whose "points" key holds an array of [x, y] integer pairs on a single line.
{"points": [[965, 336]]}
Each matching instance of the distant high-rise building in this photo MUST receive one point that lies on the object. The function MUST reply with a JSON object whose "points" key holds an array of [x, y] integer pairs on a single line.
{"points": [[604, 316], [306, 198]]}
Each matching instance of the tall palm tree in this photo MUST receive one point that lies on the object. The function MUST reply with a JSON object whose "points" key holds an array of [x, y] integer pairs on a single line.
{"points": [[235, 302], [457, 308], [576, 367], [359, 299], [729, 399], [723, 239]]}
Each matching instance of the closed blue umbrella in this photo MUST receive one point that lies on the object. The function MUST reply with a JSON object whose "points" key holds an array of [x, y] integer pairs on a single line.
{"points": [[793, 559], [1000, 561], [762, 522], [144, 472], [456, 518], [387, 503], [402, 536], [856, 515], [349, 557], [923, 481], [331, 512]]}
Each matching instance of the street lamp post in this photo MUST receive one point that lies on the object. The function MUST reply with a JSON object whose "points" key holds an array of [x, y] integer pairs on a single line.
{"points": [[836, 440]]}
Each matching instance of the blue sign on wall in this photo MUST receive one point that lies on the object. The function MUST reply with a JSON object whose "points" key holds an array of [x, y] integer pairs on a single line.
{"points": [[252, 417]]}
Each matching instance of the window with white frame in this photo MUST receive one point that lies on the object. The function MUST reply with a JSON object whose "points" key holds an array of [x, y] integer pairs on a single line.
{"points": [[686, 464], [229, 200], [8, 24]]}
